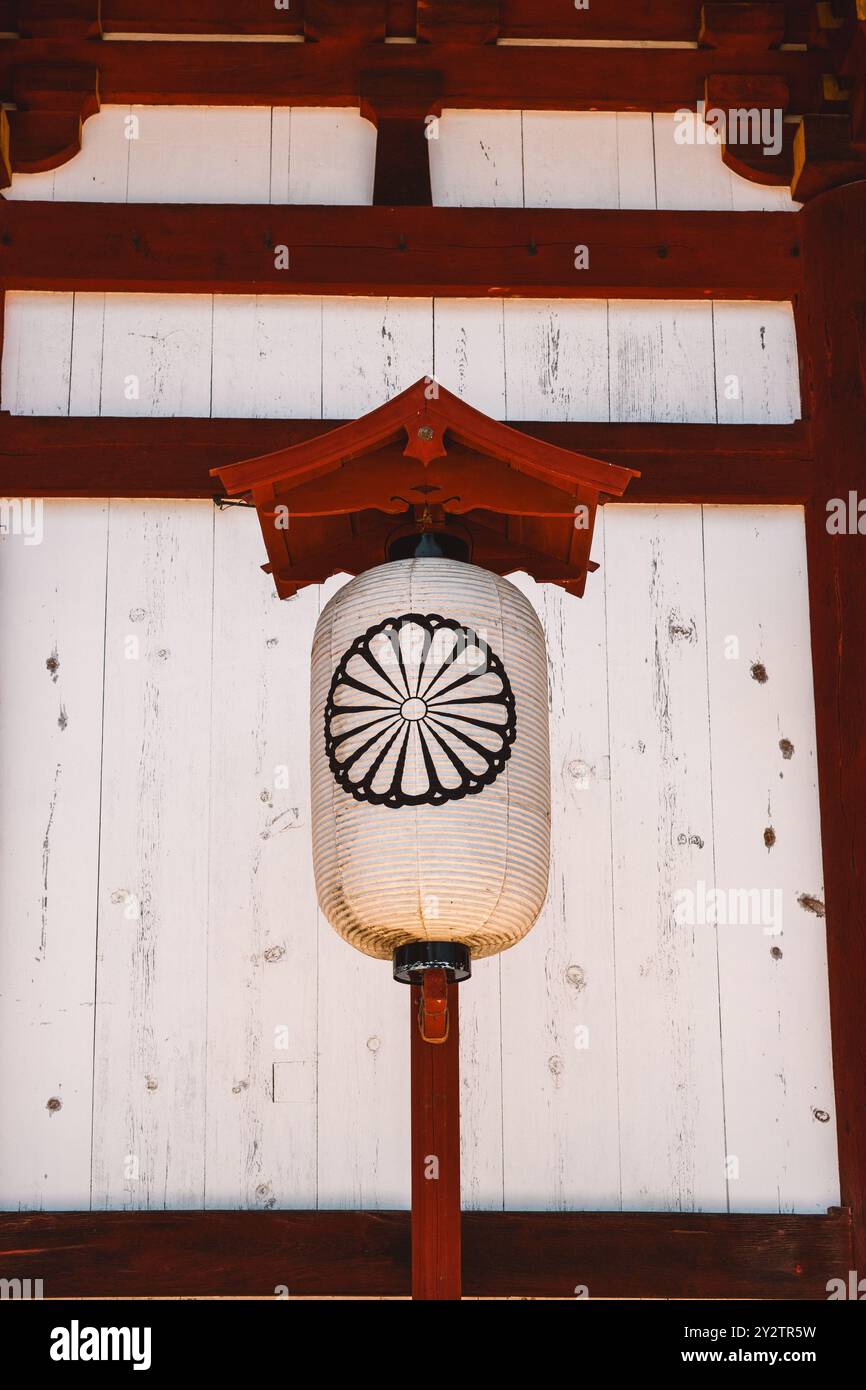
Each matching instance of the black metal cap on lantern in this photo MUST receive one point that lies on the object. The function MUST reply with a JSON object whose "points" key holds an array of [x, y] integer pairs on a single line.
{"points": [[411, 960]]}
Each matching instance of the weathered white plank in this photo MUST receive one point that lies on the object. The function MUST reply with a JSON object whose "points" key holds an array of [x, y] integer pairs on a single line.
{"points": [[37, 348], [693, 176], [477, 159], [87, 346], [481, 1134], [157, 354], [688, 175], [636, 160], [324, 155], [190, 154], [150, 1065], [212, 154], [775, 1027], [669, 1056], [661, 359], [756, 364], [363, 1116], [371, 350], [262, 922], [559, 1023], [267, 356], [570, 159], [469, 351], [236, 355], [52, 618], [556, 359], [747, 196], [588, 159], [327, 155]]}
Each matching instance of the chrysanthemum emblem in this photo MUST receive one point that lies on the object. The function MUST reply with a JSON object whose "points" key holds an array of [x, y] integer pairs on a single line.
{"points": [[420, 712]]}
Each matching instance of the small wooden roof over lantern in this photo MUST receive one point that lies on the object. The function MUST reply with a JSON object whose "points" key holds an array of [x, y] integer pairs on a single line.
{"points": [[425, 461]]}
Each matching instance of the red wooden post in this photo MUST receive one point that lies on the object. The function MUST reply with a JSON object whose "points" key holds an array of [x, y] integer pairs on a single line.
{"points": [[435, 1151]]}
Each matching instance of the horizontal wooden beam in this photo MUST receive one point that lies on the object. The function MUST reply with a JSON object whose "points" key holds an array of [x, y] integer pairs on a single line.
{"points": [[261, 249], [473, 75], [672, 20], [115, 457], [505, 1254]]}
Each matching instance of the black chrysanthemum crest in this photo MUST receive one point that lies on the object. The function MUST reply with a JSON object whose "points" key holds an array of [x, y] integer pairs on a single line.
{"points": [[420, 712]]}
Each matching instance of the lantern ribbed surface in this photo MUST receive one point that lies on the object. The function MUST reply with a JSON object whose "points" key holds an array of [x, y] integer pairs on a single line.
{"points": [[430, 762]]}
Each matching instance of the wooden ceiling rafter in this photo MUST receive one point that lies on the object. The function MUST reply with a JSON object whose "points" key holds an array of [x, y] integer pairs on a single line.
{"points": [[52, 100]]}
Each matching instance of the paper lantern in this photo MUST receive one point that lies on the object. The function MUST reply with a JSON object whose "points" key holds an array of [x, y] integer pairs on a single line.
{"points": [[430, 763]]}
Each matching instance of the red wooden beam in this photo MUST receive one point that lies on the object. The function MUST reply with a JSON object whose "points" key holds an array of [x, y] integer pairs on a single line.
{"points": [[389, 251], [459, 21], [505, 1254], [675, 20], [436, 1257], [658, 20], [473, 75], [113, 457], [747, 27], [831, 330]]}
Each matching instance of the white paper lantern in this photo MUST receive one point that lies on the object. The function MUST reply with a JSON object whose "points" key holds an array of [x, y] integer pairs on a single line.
{"points": [[430, 759]]}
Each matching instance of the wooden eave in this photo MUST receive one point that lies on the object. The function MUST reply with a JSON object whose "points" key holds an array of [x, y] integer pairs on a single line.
{"points": [[416, 409], [423, 459]]}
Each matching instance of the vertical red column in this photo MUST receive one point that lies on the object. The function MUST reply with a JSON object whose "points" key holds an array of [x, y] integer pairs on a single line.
{"points": [[435, 1156], [831, 339]]}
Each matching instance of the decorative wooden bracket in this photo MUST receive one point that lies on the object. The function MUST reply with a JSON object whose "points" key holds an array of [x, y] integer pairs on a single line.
{"points": [[825, 156], [402, 106], [52, 100], [753, 110], [425, 459], [828, 147]]}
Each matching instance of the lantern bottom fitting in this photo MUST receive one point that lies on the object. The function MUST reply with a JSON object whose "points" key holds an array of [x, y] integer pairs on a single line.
{"points": [[411, 960]]}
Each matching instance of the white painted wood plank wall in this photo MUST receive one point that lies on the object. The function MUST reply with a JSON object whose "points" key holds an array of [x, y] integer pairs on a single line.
{"points": [[311, 155], [184, 1008], [242, 1055], [240, 355]]}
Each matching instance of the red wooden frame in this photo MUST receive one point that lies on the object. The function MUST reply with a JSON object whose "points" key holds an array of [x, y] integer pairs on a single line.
{"points": [[816, 257]]}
